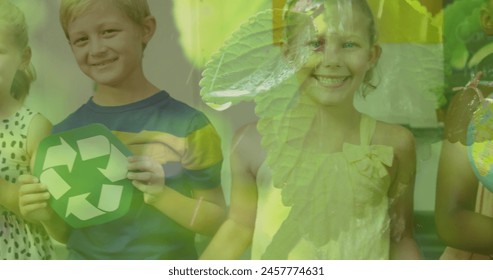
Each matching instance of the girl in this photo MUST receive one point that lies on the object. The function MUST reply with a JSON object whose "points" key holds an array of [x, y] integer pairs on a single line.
{"points": [[20, 131], [328, 182], [464, 199]]}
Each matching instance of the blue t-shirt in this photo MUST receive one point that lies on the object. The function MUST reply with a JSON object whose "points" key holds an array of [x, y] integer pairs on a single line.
{"points": [[187, 145]]}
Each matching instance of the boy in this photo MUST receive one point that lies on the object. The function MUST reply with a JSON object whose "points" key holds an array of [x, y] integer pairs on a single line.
{"points": [[107, 39]]}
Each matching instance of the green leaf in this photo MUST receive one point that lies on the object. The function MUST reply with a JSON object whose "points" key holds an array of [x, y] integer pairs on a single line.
{"points": [[252, 62], [204, 25]]}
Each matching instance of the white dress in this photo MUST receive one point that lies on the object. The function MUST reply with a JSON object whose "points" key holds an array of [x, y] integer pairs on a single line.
{"points": [[19, 239], [342, 210]]}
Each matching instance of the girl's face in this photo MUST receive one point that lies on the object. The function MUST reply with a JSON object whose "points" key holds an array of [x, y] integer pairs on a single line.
{"points": [[11, 60], [341, 55]]}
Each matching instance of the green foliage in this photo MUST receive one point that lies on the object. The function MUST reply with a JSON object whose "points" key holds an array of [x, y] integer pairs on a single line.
{"points": [[251, 62], [204, 25], [462, 38]]}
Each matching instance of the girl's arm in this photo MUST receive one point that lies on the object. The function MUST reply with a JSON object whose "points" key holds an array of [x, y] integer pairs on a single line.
{"points": [[237, 230], [39, 128], [458, 225], [9, 194], [32, 196], [402, 242], [33, 204]]}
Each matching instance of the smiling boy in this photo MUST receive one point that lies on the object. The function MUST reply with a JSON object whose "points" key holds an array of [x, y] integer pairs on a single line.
{"points": [[108, 39]]}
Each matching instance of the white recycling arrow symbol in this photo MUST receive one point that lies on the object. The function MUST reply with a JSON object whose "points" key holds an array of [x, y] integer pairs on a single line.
{"points": [[89, 148], [98, 146], [84, 210], [116, 168], [81, 208], [93, 147], [56, 184], [62, 154], [109, 200]]}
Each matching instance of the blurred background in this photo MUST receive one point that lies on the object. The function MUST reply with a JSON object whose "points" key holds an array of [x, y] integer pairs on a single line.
{"points": [[412, 89]]}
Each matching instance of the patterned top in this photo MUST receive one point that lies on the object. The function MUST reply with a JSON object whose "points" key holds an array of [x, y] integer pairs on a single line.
{"points": [[19, 239]]}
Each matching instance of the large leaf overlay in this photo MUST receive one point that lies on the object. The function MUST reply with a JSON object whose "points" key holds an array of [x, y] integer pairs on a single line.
{"points": [[251, 62], [328, 199], [304, 173], [251, 67], [204, 25]]}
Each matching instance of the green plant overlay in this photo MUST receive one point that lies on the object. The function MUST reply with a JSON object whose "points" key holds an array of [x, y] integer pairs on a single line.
{"points": [[204, 25], [85, 171], [250, 63]]}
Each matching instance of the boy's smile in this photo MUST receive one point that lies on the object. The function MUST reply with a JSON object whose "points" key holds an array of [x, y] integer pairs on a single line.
{"points": [[104, 62], [107, 45]]}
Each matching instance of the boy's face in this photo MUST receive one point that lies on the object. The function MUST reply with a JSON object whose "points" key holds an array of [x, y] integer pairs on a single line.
{"points": [[107, 44]]}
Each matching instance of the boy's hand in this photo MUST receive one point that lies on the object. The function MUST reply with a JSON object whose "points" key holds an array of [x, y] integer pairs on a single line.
{"points": [[33, 199], [147, 175]]}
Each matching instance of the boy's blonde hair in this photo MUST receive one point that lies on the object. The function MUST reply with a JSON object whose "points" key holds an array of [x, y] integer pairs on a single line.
{"points": [[12, 20], [136, 10]]}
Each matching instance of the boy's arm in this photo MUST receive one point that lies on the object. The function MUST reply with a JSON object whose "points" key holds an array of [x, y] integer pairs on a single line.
{"points": [[458, 225], [203, 213], [402, 242]]}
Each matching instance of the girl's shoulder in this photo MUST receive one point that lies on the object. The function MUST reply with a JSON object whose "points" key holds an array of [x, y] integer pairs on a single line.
{"points": [[39, 121], [247, 135], [396, 136], [403, 143], [39, 128], [247, 144]]}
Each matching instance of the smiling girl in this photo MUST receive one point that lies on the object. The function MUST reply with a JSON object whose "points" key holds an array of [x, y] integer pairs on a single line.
{"points": [[20, 131], [327, 182]]}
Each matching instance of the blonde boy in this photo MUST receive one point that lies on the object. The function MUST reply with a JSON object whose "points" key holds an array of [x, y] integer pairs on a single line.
{"points": [[107, 38]]}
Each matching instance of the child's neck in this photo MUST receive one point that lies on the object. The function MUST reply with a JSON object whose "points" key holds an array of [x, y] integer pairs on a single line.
{"points": [[333, 126], [117, 96], [8, 106]]}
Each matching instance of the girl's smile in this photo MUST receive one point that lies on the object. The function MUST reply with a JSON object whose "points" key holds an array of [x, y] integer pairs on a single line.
{"points": [[341, 55], [331, 82]]}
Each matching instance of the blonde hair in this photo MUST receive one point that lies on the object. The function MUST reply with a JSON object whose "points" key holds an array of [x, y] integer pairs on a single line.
{"points": [[13, 21], [136, 10]]}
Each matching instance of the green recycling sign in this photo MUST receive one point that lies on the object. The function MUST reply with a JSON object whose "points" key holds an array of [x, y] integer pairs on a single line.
{"points": [[85, 170]]}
